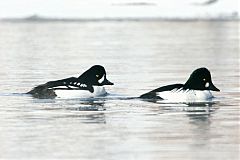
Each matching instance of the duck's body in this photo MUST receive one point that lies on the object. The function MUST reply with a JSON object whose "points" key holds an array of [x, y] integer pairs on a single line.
{"points": [[178, 94], [186, 95], [196, 89], [89, 84], [99, 91]]}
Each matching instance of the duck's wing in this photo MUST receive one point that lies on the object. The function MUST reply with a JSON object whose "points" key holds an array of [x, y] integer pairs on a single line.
{"points": [[153, 94], [71, 83]]}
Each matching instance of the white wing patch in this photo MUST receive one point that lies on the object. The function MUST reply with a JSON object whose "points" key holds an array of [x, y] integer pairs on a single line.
{"points": [[65, 87], [83, 85], [70, 85]]}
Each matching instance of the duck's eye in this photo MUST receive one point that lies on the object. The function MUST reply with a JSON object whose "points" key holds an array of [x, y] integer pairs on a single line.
{"points": [[97, 75]]}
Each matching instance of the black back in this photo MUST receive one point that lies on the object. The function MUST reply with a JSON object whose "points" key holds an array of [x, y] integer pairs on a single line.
{"points": [[152, 94]]}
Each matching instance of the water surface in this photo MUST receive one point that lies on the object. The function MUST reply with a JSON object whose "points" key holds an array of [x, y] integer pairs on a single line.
{"points": [[138, 56]]}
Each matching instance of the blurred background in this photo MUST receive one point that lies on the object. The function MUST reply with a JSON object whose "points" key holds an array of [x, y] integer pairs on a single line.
{"points": [[120, 8]]}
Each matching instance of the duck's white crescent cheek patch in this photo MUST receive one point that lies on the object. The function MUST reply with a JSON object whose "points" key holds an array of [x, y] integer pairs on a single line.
{"points": [[207, 85], [101, 80]]}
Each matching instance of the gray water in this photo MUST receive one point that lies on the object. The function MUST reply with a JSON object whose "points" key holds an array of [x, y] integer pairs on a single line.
{"points": [[138, 56]]}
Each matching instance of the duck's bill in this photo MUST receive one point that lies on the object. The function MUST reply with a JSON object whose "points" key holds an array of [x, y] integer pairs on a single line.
{"points": [[106, 82], [213, 88]]}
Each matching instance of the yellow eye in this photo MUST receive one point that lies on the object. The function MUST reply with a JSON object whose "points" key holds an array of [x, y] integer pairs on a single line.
{"points": [[97, 75]]}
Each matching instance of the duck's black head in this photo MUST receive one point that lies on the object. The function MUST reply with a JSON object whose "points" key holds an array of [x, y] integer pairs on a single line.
{"points": [[200, 79], [96, 75]]}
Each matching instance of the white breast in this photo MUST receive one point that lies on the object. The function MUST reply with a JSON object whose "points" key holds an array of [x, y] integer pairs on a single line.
{"points": [[98, 92], [186, 95]]}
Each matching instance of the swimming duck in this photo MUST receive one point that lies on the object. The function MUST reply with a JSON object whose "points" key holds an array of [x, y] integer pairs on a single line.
{"points": [[89, 84], [197, 88]]}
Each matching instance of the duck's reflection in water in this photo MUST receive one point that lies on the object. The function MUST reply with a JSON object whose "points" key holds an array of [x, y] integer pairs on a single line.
{"points": [[191, 109], [88, 105], [88, 111], [75, 110]]}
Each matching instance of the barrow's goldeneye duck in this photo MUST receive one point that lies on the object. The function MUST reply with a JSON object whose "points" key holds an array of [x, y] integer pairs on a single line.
{"points": [[89, 84], [197, 88]]}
